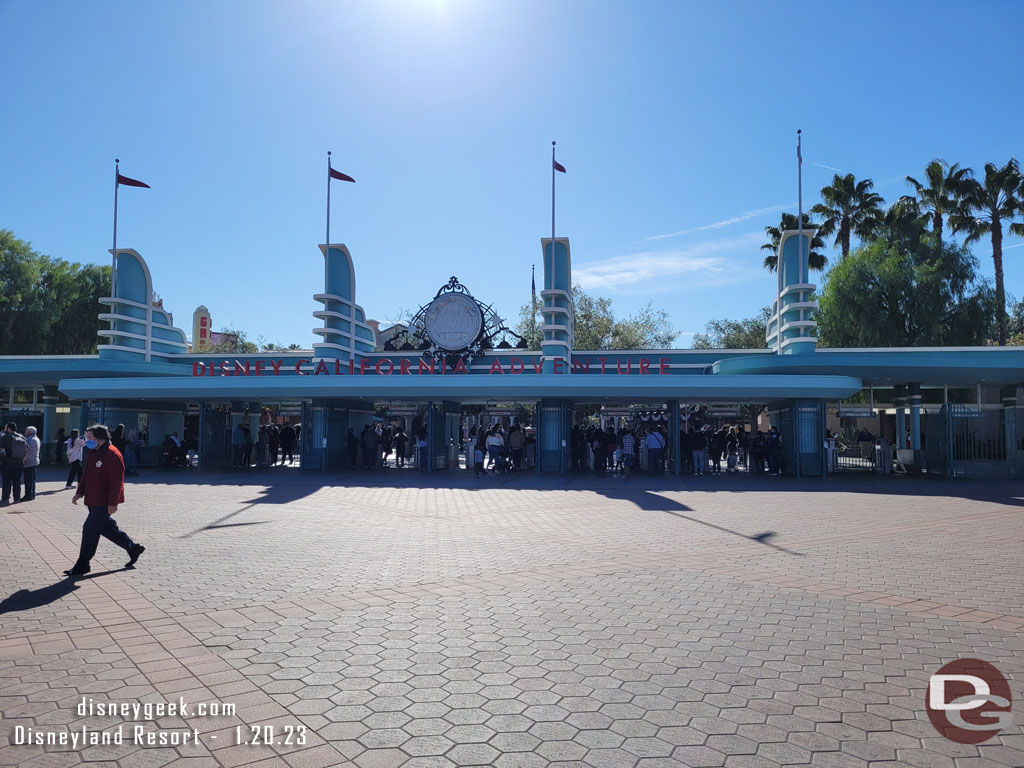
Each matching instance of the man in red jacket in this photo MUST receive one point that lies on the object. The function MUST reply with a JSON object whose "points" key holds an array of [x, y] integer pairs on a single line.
{"points": [[102, 486]]}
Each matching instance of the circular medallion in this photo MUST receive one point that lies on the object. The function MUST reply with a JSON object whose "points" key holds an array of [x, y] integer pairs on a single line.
{"points": [[453, 321]]}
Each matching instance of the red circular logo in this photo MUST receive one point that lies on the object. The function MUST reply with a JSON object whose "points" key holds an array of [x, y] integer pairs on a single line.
{"points": [[968, 701]]}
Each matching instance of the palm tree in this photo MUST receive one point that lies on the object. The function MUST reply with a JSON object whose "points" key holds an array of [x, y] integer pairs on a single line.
{"points": [[983, 208], [902, 222], [815, 259], [940, 197], [850, 208]]}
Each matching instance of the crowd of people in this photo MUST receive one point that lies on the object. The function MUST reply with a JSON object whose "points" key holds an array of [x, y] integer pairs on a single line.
{"points": [[497, 449], [703, 449], [373, 447]]}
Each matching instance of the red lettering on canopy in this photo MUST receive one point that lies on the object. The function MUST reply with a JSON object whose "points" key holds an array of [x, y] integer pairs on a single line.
{"points": [[321, 367], [362, 366], [239, 368], [460, 367], [663, 366], [198, 369], [538, 365], [645, 366], [351, 366], [337, 367], [514, 362], [618, 365], [403, 367], [579, 366], [259, 367], [298, 366], [496, 364], [224, 370], [391, 366], [603, 360], [423, 366], [276, 365], [558, 364]]}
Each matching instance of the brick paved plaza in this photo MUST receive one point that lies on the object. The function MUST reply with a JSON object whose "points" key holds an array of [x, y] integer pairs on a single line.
{"points": [[517, 621]]}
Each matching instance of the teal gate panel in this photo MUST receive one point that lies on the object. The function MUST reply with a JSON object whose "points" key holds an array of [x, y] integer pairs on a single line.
{"points": [[554, 427], [214, 437], [313, 440], [938, 460], [809, 438]]}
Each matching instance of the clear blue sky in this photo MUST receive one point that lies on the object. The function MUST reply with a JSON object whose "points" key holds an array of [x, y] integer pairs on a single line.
{"points": [[673, 118]]}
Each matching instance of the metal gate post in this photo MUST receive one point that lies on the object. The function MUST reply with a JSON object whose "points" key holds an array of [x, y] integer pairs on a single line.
{"points": [[673, 436]]}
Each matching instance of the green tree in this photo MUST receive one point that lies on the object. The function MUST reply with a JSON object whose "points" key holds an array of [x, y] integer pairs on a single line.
{"points": [[48, 306], [1015, 323], [236, 342], [941, 195], [902, 224], [887, 295], [815, 259], [849, 208], [649, 328], [596, 327], [985, 206], [748, 333]]}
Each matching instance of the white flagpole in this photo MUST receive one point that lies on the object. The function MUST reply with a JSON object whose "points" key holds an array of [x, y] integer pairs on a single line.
{"points": [[552, 202], [800, 202], [327, 242], [113, 271]]}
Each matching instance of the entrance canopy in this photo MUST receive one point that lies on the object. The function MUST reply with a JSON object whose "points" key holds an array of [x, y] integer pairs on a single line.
{"points": [[469, 388]]}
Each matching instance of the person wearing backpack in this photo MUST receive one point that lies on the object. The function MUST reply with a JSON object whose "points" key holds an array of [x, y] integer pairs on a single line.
{"points": [[13, 450]]}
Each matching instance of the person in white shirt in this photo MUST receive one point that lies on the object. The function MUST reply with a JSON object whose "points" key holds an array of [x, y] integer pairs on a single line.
{"points": [[655, 445], [73, 447], [494, 444], [31, 463]]}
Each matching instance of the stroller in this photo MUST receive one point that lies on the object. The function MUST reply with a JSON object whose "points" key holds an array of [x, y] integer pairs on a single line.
{"points": [[504, 462]]}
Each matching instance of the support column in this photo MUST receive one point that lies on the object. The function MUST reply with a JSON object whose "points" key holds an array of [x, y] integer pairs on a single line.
{"points": [[49, 409], [900, 401], [1009, 411], [914, 401]]}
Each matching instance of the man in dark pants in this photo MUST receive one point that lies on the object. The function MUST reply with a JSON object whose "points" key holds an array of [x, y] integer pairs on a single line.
{"points": [[102, 486]]}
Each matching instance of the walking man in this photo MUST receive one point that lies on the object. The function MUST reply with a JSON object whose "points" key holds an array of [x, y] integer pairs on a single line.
{"points": [[102, 486]]}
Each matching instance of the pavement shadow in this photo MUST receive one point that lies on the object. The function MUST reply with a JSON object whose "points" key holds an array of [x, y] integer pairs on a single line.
{"points": [[27, 599], [649, 501]]}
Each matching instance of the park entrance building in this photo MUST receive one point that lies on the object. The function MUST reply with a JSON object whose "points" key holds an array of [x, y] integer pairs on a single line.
{"points": [[456, 355]]}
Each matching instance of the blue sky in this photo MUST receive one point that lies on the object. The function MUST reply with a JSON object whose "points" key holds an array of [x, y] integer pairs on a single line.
{"points": [[675, 121]]}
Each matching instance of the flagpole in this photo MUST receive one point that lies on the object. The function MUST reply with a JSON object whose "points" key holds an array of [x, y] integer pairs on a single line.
{"points": [[113, 270], [327, 242], [552, 202], [800, 202]]}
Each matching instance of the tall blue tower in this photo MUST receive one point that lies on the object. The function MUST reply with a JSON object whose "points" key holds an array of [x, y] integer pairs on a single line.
{"points": [[140, 328], [791, 327], [345, 331], [556, 304]]}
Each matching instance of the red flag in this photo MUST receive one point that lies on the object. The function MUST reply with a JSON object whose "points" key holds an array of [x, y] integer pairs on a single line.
{"points": [[558, 165], [340, 176], [131, 182]]}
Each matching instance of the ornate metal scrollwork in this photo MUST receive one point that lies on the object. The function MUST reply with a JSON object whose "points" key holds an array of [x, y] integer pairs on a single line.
{"points": [[492, 334]]}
